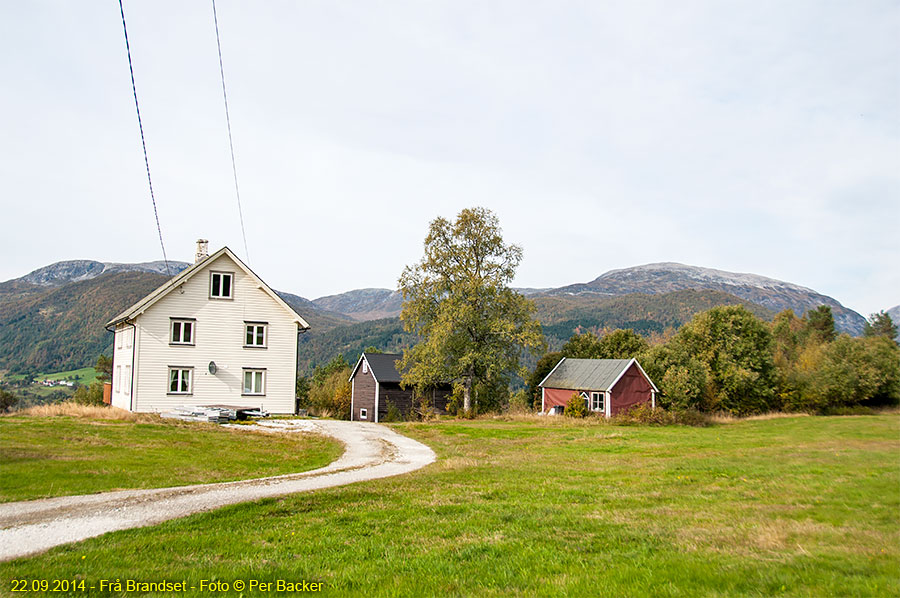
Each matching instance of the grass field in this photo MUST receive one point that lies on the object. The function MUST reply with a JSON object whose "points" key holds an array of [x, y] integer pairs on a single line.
{"points": [[782, 507], [83, 376], [55, 456]]}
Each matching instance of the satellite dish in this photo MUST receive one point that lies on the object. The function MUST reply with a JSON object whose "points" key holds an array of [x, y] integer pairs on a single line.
{"points": [[213, 368]]}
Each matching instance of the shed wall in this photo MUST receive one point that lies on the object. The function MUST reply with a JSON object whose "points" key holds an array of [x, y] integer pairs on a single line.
{"points": [[363, 395], [631, 389]]}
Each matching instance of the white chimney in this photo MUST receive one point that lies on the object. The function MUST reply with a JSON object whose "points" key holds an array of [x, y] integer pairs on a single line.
{"points": [[202, 250]]}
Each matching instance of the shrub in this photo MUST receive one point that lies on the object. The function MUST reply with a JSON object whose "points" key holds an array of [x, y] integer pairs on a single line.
{"points": [[576, 407], [520, 402], [392, 413], [644, 414], [89, 395]]}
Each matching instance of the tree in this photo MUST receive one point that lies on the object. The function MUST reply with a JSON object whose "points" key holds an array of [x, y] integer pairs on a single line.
{"points": [[881, 324], [330, 390], [618, 344], [104, 368], [7, 400], [820, 323], [543, 367], [582, 346], [473, 327], [736, 348]]}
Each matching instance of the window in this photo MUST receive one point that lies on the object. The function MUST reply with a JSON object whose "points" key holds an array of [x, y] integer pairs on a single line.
{"points": [[220, 285], [596, 401], [254, 382], [120, 334], [127, 380], [365, 367], [180, 380], [363, 414], [182, 332], [129, 338], [255, 334], [118, 378]]}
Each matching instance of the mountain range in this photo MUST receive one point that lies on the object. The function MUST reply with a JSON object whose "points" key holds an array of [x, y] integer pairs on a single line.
{"points": [[52, 318]]}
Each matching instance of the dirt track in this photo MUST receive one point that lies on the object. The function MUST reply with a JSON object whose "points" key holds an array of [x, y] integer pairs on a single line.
{"points": [[371, 451]]}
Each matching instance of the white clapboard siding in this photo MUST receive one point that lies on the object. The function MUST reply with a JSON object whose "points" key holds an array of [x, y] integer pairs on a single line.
{"points": [[219, 336]]}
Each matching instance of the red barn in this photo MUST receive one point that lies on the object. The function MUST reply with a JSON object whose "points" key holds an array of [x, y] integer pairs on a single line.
{"points": [[609, 386]]}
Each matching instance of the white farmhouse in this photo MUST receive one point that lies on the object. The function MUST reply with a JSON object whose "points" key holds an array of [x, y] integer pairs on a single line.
{"points": [[215, 334]]}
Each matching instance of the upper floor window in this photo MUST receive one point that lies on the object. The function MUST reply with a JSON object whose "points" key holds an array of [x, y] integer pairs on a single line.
{"points": [[182, 332], [180, 380], [255, 334], [365, 367], [221, 285], [254, 382]]}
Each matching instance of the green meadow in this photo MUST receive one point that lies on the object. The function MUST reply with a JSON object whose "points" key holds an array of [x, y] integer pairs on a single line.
{"points": [[799, 506], [42, 457]]}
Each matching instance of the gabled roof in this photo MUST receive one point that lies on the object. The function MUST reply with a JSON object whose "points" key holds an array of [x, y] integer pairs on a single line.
{"points": [[589, 374], [185, 275], [382, 365]]}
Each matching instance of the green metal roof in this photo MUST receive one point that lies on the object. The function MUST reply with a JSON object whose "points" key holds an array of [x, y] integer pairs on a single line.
{"points": [[585, 374]]}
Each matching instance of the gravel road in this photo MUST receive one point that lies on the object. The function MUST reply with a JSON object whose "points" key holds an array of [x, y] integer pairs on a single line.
{"points": [[371, 451]]}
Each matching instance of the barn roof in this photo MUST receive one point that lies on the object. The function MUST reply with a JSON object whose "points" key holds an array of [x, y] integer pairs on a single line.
{"points": [[383, 366], [589, 374]]}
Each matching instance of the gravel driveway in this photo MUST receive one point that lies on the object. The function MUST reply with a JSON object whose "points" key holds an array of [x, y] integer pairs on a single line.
{"points": [[371, 451]]}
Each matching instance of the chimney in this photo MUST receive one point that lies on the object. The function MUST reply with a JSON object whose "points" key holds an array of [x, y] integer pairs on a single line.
{"points": [[202, 250]]}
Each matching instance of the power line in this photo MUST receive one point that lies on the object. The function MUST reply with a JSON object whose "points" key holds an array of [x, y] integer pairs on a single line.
{"points": [[137, 107], [237, 190]]}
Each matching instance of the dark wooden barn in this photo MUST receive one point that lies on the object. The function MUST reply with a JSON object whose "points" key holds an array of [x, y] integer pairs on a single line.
{"points": [[609, 386], [375, 384]]}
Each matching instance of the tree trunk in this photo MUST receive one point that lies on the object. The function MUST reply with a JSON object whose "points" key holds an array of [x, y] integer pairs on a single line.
{"points": [[467, 395]]}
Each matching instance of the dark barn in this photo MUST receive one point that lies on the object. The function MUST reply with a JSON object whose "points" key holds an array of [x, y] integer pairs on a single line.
{"points": [[609, 386], [375, 384]]}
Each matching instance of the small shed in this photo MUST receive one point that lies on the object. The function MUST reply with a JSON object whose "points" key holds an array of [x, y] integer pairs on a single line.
{"points": [[375, 384], [609, 386]]}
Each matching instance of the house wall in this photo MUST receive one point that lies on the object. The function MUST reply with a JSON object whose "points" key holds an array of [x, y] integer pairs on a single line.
{"points": [[557, 396], [123, 366], [363, 395], [218, 336], [390, 392], [631, 389]]}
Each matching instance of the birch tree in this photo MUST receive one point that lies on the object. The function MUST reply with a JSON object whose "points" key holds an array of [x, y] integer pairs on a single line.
{"points": [[473, 327]]}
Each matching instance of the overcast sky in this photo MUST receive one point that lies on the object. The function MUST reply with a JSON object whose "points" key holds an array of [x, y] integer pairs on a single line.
{"points": [[749, 136]]}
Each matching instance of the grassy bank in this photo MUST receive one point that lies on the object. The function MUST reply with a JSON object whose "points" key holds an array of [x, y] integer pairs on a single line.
{"points": [[43, 456], [790, 506]]}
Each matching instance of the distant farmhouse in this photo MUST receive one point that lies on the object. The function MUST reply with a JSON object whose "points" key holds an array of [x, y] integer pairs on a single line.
{"points": [[375, 384], [609, 386], [215, 334]]}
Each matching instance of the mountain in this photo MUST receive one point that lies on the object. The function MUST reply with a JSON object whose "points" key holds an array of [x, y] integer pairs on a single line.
{"points": [[62, 273], [363, 304], [666, 277], [57, 323]]}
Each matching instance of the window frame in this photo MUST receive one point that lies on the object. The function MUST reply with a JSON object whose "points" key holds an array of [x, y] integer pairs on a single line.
{"points": [[118, 379], [256, 326], [261, 392], [220, 297], [363, 413], [365, 366], [182, 322], [190, 380], [602, 397]]}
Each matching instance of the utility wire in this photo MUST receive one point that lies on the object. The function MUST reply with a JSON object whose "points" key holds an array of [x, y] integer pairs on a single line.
{"points": [[237, 190], [137, 107]]}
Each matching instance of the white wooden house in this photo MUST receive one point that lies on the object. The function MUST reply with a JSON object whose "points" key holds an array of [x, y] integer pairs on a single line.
{"points": [[215, 334]]}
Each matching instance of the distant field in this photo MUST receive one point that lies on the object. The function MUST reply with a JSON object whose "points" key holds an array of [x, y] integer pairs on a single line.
{"points": [[782, 507], [84, 376], [56, 456]]}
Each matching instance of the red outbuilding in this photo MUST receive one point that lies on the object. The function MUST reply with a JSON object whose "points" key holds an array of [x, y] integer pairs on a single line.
{"points": [[609, 386]]}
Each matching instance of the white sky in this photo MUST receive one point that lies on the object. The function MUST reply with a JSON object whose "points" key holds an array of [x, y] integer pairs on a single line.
{"points": [[747, 136]]}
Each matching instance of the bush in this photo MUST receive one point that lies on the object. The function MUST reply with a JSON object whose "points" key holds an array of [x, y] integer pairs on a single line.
{"points": [[520, 402], [644, 414], [89, 395], [330, 390], [576, 407], [392, 413]]}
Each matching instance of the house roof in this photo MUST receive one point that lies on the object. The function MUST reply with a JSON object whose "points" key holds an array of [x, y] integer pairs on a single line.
{"points": [[589, 374], [383, 366], [185, 275]]}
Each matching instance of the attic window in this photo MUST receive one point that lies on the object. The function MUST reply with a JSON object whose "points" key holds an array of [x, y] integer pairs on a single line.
{"points": [[220, 285], [365, 367]]}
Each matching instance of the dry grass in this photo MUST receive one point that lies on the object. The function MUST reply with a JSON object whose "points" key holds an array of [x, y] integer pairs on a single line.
{"points": [[727, 418], [70, 409]]}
